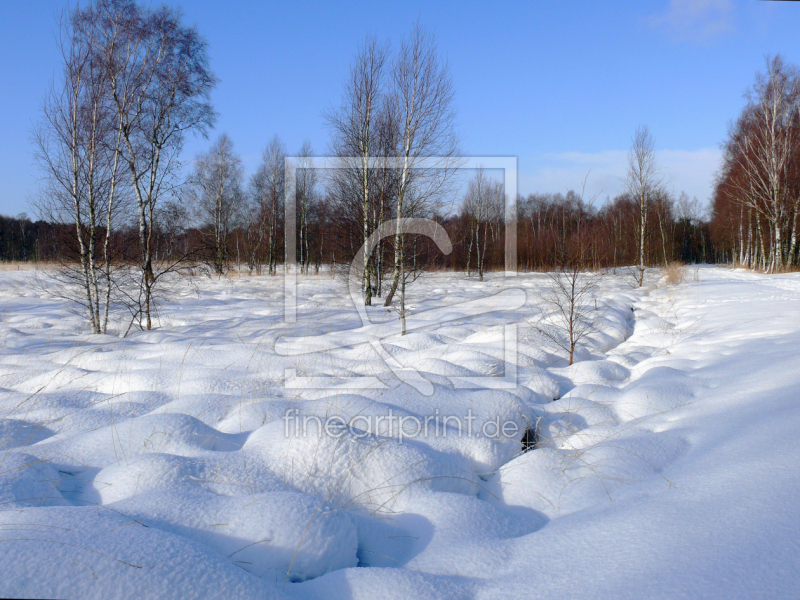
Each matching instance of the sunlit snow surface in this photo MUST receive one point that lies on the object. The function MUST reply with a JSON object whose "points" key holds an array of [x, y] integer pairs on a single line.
{"points": [[161, 465]]}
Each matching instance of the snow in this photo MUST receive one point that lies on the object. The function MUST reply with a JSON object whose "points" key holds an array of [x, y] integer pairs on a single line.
{"points": [[163, 463]]}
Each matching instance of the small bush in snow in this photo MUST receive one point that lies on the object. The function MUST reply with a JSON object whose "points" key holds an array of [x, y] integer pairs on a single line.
{"points": [[674, 273]]}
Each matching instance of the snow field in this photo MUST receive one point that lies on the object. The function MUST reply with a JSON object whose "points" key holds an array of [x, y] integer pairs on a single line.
{"points": [[164, 462]]}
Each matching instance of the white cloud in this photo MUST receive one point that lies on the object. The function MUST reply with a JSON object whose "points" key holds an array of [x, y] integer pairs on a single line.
{"points": [[696, 20], [691, 171]]}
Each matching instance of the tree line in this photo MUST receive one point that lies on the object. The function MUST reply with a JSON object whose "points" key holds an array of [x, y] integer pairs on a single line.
{"points": [[23, 240], [757, 194], [251, 237]]}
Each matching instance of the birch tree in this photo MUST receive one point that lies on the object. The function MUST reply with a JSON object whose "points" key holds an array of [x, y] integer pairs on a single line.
{"points": [[422, 102], [78, 149], [482, 208], [215, 189], [159, 83], [763, 144], [305, 190], [569, 308], [268, 186], [385, 183], [641, 182], [355, 134]]}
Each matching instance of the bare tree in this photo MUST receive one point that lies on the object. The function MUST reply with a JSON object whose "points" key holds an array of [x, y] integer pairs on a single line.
{"points": [[78, 150], [215, 190], [663, 205], [267, 187], [305, 190], [174, 221], [386, 183], [482, 208], [422, 102], [159, 83], [641, 182], [356, 134], [569, 309]]}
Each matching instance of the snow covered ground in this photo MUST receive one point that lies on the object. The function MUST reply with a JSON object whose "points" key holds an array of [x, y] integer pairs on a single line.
{"points": [[228, 453]]}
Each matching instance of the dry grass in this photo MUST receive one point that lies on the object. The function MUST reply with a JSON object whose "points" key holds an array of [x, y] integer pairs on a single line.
{"points": [[674, 273], [27, 266]]}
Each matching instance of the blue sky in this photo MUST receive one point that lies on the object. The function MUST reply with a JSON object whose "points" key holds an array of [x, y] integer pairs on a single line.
{"points": [[560, 85]]}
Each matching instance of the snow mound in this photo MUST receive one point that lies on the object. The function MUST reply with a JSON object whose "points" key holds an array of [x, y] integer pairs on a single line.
{"points": [[559, 481], [166, 433], [594, 372], [86, 552], [228, 474], [572, 422], [271, 535], [353, 468], [249, 416], [659, 391]]}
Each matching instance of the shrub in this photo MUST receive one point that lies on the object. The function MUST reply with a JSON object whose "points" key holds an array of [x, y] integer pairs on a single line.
{"points": [[674, 273]]}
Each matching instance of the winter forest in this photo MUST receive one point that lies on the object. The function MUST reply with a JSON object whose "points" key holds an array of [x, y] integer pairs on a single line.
{"points": [[373, 367]]}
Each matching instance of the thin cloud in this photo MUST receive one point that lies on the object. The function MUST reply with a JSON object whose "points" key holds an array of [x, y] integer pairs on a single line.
{"points": [[696, 20], [691, 171]]}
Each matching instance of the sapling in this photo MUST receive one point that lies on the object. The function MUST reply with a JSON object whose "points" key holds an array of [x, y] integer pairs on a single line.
{"points": [[570, 311]]}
